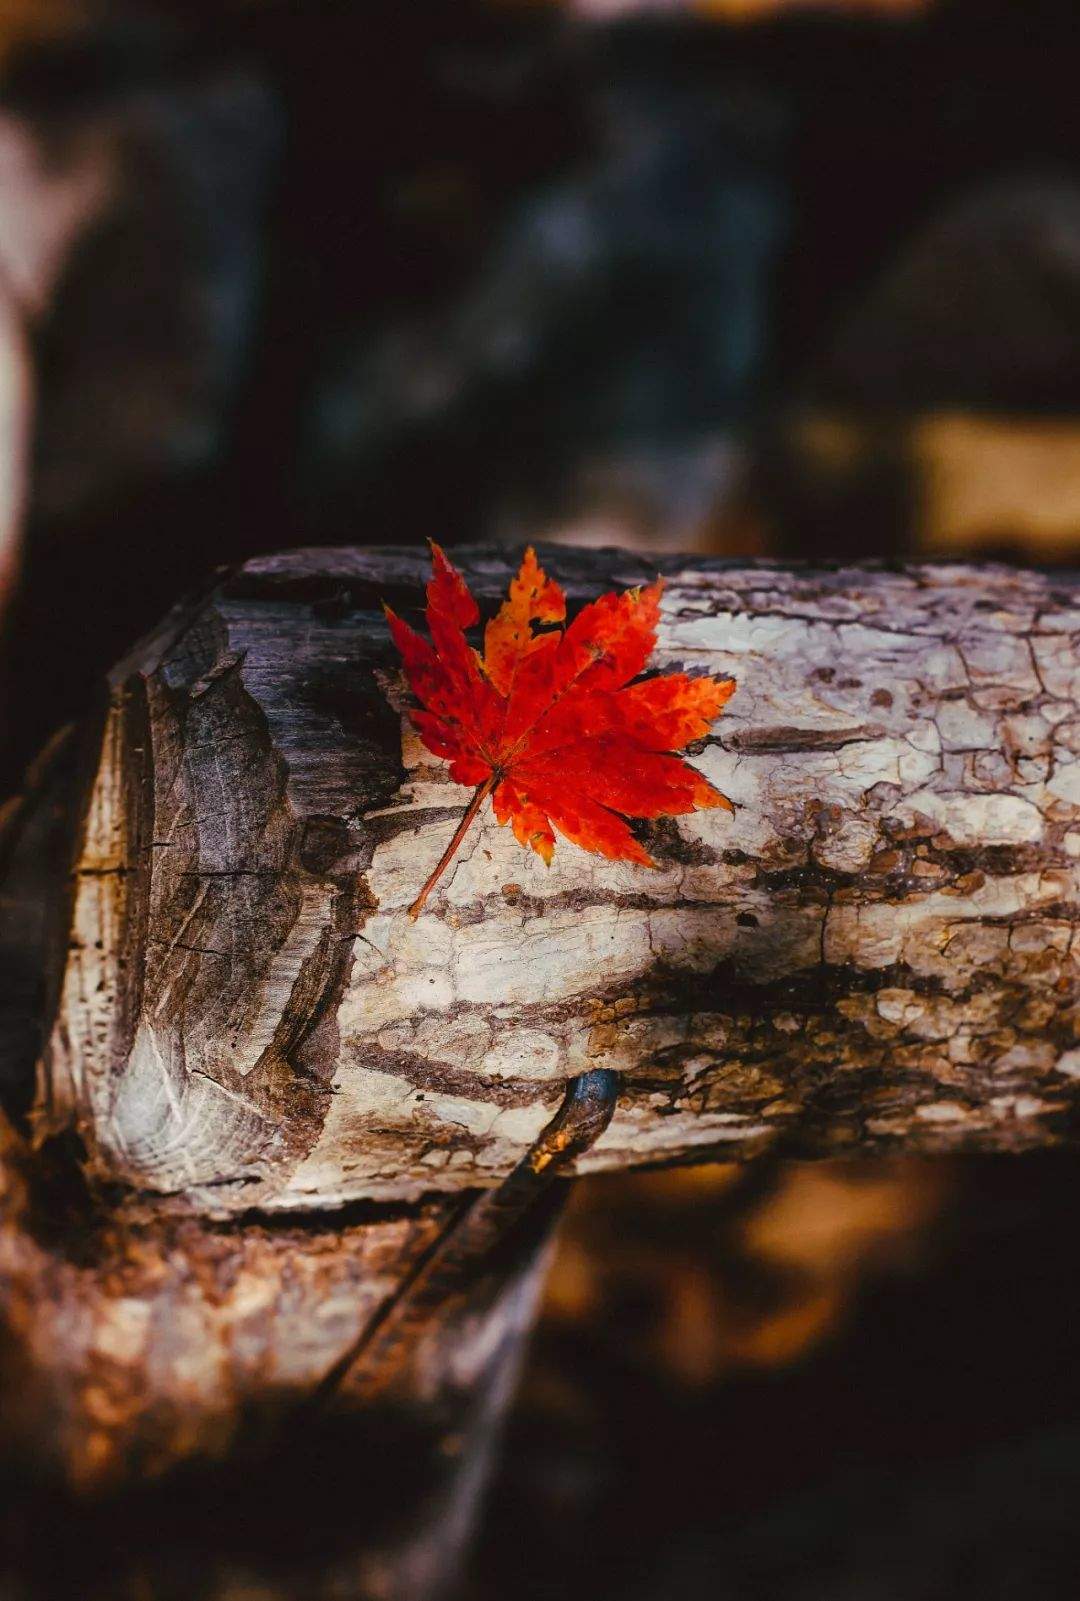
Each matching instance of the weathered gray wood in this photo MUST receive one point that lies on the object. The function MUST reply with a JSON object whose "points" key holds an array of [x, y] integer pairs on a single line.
{"points": [[877, 950]]}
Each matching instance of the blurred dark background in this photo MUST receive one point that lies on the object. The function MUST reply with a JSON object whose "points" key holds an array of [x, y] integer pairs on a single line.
{"points": [[751, 278], [760, 278]]}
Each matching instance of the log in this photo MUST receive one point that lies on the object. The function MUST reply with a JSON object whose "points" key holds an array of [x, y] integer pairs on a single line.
{"points": [[157, 1367], [877, 951]]}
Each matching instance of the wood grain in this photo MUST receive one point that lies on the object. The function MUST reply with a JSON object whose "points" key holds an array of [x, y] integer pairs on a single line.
{"points": [[877, 951]]}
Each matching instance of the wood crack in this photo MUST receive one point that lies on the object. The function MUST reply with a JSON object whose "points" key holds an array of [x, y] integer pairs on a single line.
{"points": [[887, 924]]}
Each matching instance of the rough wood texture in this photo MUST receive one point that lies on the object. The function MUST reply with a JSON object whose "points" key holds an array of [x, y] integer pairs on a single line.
{"points": [[175, 1359], [877, 950]]}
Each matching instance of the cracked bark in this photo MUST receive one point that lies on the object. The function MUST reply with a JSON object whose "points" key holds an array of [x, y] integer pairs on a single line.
{"points": [[244, 1037], [877, 951]]}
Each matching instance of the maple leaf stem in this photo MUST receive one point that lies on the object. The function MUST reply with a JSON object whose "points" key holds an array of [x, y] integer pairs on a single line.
{"points": [[482, 792]]}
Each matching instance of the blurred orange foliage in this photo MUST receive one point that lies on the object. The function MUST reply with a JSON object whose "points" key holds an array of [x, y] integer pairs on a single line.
{"points": [[701, 1274]]}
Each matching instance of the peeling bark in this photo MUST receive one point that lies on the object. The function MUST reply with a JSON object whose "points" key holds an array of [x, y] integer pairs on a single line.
{"points": [[877, 951]]}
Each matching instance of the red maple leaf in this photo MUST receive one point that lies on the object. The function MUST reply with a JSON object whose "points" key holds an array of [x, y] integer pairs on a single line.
{"points": [[550, 724]]}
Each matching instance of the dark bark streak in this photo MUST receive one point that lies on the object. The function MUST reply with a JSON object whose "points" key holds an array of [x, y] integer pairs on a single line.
{"points": [[280, 799]]}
